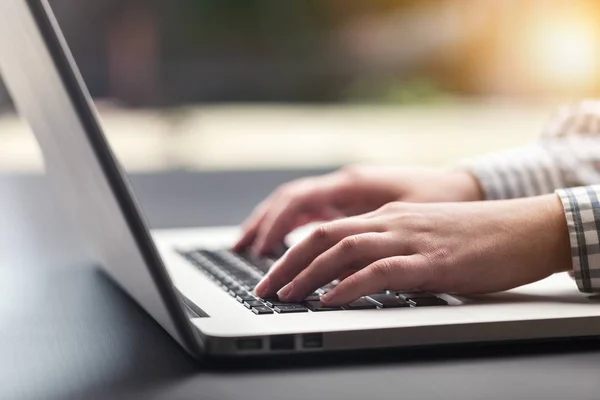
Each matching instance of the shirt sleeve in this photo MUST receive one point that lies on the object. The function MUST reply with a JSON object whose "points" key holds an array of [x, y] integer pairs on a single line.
{"points": [[567, 155], [582, 210], [566, 161]]}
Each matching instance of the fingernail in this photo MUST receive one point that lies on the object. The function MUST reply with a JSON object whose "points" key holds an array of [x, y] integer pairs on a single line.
{"points": [[329, 299], [285, 292], [262, 288]]}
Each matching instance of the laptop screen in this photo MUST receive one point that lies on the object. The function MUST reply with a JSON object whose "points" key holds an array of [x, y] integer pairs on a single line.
{"points": [[50, 95]]}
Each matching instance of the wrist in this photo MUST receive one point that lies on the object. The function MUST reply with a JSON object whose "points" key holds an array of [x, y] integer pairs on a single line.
{"points": [[558, 234], [466, 186]]}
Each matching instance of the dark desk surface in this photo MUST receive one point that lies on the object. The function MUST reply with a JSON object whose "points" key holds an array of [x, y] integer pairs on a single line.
{"points": [[67, 332]]}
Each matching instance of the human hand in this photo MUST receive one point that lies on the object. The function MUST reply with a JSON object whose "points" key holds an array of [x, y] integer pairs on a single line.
{"points": [[349, 191], [463, 248]]}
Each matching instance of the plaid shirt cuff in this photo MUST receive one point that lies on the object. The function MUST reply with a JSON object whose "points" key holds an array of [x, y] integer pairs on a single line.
{"points": [[523, 172], [582, 209]]}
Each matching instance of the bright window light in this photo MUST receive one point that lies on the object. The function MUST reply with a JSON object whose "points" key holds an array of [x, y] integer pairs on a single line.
{"points": [[564, 51]]}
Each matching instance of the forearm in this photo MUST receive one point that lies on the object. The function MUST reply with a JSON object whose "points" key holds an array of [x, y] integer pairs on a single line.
{"points": [[568, 156], [527, 177]]}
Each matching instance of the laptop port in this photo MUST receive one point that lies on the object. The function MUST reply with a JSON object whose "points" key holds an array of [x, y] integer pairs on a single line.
{"points": [[249, 344], [312, 340], [282, 342]]}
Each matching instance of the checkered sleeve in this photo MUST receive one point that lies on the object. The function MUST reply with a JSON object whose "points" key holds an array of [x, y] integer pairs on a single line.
{"points": [[566, 161], [582, 209]]}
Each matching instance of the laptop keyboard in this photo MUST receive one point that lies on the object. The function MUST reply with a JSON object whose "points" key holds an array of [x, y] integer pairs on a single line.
{"points": [[238, 274]]}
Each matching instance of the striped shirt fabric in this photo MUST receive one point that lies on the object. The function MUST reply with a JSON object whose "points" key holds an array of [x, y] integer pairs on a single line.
{"points": [[566, 160]]}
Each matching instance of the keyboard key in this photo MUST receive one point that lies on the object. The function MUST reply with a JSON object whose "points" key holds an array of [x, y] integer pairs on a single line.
{"points": [[272, 303], [262, 263], [245, 297], [317, 306], [291, 309], [275, 303], [328, 288], [227, 281], [360, 304], [427, 301], [262, 310], [245, 282], [253, 303], [233, 264], [387, 301], [238, 274], [313, 297], [414, 295], [236, 287], [240, 291]]}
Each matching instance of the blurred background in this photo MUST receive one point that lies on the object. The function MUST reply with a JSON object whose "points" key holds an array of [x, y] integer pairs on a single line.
{"points": [[268, 84]]}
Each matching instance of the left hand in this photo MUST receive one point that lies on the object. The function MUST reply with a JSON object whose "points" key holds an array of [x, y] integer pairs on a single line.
{"points": [[467, 248]]}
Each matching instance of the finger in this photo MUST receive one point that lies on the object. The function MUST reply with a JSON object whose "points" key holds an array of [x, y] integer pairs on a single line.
{"points": [[247, 238], [306, 204], [348, 273], [251, 224], [398, 271], [303, 253], [351, 253], [250, 235], [277, 223]]}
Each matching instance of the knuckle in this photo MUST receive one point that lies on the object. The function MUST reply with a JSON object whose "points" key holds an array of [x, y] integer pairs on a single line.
{"points": [[383, 270], [387, 207], [352, 172], [299, 190], [282, 192], [393, 206], [398, 215], [435, 269], [425, 269], [322, 233], [289, 189], [349, 244], [413, 226], [412, 221], [438, 256]]}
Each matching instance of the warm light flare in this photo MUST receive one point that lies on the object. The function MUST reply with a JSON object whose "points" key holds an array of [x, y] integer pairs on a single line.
{"points": [[563, 51]]}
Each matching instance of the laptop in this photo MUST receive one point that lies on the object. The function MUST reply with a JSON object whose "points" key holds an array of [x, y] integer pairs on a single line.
{"points": [[189, 281]]}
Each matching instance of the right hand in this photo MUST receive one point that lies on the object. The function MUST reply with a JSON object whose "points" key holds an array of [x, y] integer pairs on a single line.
{"points": [[346, 192]]}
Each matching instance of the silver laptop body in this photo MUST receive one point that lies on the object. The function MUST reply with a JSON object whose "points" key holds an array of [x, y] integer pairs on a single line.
{"points": [[183, 297]]}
